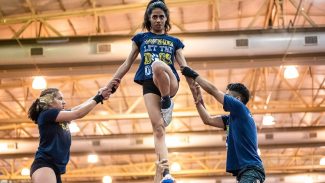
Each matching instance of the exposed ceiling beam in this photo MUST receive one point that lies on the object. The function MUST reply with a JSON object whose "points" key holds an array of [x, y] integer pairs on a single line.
{"points": [[175, 133], [30, 6], [98, 10], [12, 71], [303, 13], [258, 14], [176, 114], [215, 148], [215, 14], [51, 27], [22, 29], [268, 16], [69, 20]]}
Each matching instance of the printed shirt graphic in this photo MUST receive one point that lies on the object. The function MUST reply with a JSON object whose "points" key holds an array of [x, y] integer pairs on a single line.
{"points": [[155, 47], [241, 136], [55, 139]]}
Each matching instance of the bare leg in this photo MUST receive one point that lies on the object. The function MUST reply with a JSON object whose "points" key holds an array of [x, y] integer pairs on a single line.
{"points": [[160, 112], [164, 78], [44, 174], [152, 102]]}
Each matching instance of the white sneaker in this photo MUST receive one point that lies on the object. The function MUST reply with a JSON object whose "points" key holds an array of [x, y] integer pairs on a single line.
{"points": [[167, 114], [168, 179]]}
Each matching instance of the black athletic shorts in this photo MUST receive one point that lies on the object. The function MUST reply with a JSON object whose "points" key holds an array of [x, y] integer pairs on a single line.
{"points": [[40, 163], [149, 86]]}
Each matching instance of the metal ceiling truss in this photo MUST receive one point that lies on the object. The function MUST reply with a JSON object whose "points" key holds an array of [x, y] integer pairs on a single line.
{"points": [[98, 11], [265, 81], [273, 10], [193, 165]]}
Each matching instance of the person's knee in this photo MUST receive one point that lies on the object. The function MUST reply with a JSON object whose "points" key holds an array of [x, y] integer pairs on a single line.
{"points": [[157, 67], [44, 174], [159, 130]]}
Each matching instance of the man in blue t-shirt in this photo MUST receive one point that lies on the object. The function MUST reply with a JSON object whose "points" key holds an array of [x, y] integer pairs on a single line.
{"points": [[243, 160]]}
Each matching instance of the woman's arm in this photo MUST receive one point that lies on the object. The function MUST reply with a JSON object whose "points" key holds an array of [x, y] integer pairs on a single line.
{"points": [[83, 109], [125, 67], [180, 58], [76, 114], [100, 91]]}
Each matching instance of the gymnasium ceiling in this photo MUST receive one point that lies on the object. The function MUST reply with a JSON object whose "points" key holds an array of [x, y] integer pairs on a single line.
{"points": [[119, 131]]}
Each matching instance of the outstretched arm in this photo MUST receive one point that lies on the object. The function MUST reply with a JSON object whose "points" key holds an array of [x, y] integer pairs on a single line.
{"points": [[125, 67], [180, 58], [207, 119], [205, 84], [83, 109], [210, 88], [100, 91]]}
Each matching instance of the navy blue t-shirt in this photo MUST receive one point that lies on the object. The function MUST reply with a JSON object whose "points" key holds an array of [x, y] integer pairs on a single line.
{"points": [[55, 139], [153, 46], [241, 136]]}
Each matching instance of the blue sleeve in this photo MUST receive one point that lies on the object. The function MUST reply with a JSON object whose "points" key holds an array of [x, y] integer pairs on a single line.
{"points": [[178, 44], [225, 121], [234, 106], [138, 39], [48, 116]]}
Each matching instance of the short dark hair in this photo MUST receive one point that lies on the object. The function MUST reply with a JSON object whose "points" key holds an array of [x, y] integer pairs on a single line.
{"points": [[241, 89], [153, 4], [39, 105]]}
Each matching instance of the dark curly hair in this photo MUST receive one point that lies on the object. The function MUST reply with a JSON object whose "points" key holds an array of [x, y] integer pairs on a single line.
{"points": [[42, 103], [153, 4], [241, 90]]}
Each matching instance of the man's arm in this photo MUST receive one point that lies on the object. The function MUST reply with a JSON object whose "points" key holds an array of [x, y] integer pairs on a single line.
{"points": [[215, 121], [210, 88], [207, 119], [205, 84]]}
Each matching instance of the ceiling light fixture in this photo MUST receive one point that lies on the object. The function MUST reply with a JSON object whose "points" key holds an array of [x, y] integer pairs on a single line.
{"points": [[25, 171], [92, 158], [107, 179], [322, 161], [74, 128], [268, 120], [291, 72], [176, 167], [39, 83]]}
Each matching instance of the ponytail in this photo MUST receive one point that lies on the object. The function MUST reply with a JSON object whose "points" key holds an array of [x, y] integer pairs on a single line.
{"points": [[33, 111], [42, 103]]}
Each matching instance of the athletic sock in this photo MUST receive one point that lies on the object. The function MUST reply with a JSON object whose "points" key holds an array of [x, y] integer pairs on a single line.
{"points": [[166, 171], [165, 102]]}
